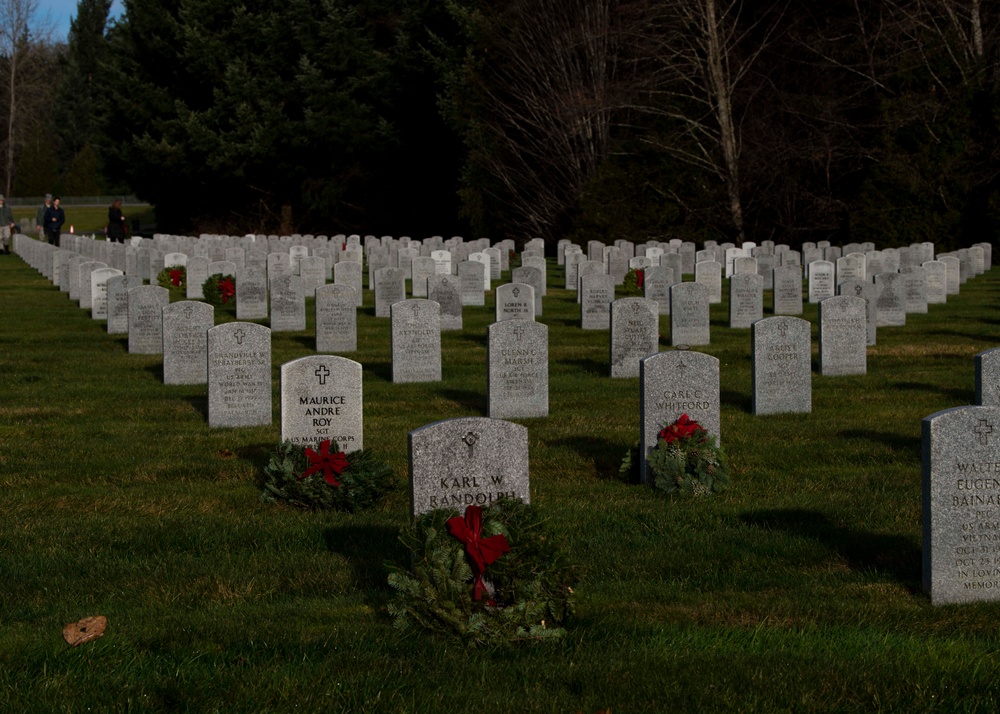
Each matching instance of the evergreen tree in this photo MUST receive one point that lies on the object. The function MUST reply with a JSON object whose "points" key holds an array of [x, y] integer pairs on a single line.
{"points": [[254, 114], [80, 97], [38, 167], [82, 177]]}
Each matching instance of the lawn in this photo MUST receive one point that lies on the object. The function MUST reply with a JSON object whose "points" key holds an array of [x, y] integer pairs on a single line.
{"points": [[796, 590]]}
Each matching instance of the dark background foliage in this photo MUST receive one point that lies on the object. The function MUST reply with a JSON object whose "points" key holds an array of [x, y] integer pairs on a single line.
{"points": [[560, 118]]}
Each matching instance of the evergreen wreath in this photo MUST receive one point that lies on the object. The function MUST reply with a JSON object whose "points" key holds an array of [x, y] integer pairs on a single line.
{"points": [[526, 593], [632, 287], [173, 278], [304, 478], [220, 291], [687, 461]]}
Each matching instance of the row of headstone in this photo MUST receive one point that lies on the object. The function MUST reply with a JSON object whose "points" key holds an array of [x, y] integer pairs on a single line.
{"points": [[477, 461]]}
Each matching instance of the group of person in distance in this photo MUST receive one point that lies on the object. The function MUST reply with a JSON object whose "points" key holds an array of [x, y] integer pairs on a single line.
{"points": [[49, 219]]}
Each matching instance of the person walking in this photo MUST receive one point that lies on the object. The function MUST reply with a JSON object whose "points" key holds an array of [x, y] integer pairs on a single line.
{"points": [[40, 216], [6, 224], [116, 222], [54, 219]]}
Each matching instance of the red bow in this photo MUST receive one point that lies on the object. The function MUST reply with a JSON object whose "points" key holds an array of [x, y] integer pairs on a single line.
{"points": [[332, 465], [640, 276], [481, 551], [680, 429], [226, 289], [175, 277]]}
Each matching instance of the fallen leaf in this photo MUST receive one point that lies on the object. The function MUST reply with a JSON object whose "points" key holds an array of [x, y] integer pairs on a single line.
{"points": [[226, 454], [87, 629]]}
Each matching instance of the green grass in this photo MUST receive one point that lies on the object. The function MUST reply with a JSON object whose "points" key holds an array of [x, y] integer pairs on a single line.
{"points": [[796, 590]]}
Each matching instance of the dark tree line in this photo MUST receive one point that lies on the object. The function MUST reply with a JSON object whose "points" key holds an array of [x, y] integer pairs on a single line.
{"points": [[852, 119]]}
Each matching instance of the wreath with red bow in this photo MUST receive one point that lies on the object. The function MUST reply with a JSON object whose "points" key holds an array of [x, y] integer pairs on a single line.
{"points": [[687, 460], [220, 291], [492, 576], [324, 478], [173, 278]]}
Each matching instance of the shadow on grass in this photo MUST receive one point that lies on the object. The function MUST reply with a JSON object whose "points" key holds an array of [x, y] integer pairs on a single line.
{"points": [[606, 455], [972, 336], [468, 400], [367, 549], [258, 455], [894, 556], [908, 445], [200, 405], [741, 401], [380, 370], [958, 395], [479, 339], [307, 341], [599, 368], [564, 321], [156, 370]]}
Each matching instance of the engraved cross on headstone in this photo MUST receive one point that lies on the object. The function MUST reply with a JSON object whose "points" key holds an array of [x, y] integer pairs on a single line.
{"points": [[983, 431], [470, 440], [187, 312], [516, 291], [239, 335], [783, 329], [322, 373]]}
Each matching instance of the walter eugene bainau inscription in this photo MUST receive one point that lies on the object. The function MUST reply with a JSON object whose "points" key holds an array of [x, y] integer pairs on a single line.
{"points": [[961, 508], [467, 461]]}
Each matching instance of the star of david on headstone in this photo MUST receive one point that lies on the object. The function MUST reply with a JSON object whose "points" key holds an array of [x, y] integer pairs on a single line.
{"points": [[983, 431], [470, 440], [322, 373], [239, 335]]}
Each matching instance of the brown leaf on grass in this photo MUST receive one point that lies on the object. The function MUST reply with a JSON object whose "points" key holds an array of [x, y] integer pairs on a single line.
{"points": [[226, 454], [87, 629]]}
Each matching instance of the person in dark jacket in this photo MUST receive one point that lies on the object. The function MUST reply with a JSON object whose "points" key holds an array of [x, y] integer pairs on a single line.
{"points": [[54, 219], [116, 222], [40, 216]]}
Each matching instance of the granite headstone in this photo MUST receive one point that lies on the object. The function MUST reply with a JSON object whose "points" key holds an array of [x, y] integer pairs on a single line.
{"points": [[518, 369], [782, 366], [239, 375], [321, 399], [468, 461]]}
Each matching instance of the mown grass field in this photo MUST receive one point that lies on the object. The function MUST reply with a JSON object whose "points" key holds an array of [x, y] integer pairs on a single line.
{"points": [[796, 590]]}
